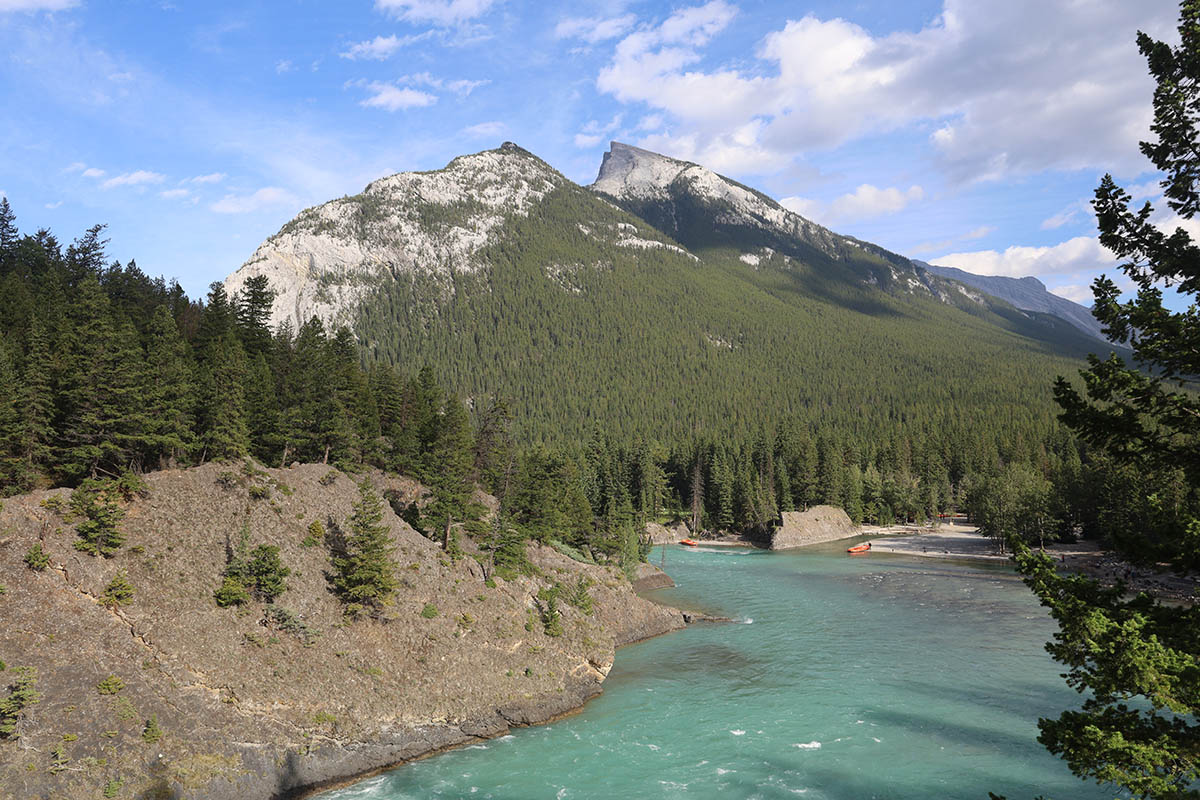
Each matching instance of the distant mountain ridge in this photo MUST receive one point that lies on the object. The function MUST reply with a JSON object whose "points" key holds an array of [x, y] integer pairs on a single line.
{"points": [[661, 299], [1027, 293]]}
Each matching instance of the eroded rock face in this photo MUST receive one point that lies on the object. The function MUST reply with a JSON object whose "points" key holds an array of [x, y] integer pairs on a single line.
{"points": [[254, 707], [327, 259], [814, 526]]}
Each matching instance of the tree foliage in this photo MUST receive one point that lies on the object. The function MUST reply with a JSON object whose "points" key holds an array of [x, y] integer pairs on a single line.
{"points": [[1138, 661]]}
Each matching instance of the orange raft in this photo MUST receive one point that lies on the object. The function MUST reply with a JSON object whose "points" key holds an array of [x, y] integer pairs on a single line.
{"points": [[689, 542], [859, 548]]}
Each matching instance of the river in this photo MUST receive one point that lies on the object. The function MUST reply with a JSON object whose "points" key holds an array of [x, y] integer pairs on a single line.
{"points": [[845, 678]]}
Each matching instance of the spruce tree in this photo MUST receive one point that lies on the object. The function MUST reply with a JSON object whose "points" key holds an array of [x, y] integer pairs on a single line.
{"points": [[1137, 662], [36, 402], [366, 574], [171, 397], [226, 434]]}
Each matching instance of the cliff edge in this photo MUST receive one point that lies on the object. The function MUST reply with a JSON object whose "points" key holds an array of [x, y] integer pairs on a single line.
{"points": [[171, 696]]}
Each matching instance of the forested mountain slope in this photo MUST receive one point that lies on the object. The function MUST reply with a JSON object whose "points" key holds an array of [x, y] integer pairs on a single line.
{"points": [[1026, 293], [664, 301]]}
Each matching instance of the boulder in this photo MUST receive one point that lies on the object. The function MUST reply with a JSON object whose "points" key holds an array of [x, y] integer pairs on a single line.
{"points": [[814, 526]]}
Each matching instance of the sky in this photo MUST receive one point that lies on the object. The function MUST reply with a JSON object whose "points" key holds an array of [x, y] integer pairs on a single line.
{"points": [[970, 133]]}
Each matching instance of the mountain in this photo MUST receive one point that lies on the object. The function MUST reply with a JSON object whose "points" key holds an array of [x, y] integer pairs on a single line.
{"points": [[1026, 293], [662, 300]]}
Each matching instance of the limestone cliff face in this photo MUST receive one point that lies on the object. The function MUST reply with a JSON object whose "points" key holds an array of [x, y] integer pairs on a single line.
{"points": [[329, 257], [816, 525], [252, 705]]}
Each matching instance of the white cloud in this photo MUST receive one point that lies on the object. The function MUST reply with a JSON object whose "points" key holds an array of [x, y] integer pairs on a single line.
{"points": [[595, 132], [870, 201], [266, 197], [1076, 293], [436, 12], [1067, 215], [460, 87], [140, 177], [77, 166], [1004, 97], [382, 47], [54, 205], [803, 206], [36, 5], [486, 130], [390, 97], [173, 194], [1081, 254], [284, 66], [594, 29], [214, 177], [865, 202], [93, 172]]}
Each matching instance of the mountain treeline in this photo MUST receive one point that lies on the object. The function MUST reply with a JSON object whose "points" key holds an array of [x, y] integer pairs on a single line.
{"points": [[104, 369]]}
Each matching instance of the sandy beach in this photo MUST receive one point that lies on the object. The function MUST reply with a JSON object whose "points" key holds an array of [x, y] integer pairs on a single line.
{"points": [[961, 541]]}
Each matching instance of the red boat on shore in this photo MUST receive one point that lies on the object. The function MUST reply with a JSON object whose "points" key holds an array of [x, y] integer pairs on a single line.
{"points": [[689, 542], [859, 548]]}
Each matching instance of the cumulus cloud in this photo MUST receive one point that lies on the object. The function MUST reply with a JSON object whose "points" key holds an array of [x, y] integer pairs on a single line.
{"points": [[390, 97], [594, 29], [139, 177], [865, 202], [1076, 293], [1002, 96], [36, 5], [485, 130], [214, 177], [93, 172], [595, 132], [266, 197], [870, 201], [381, 47], [436, 12], [1081, 254]]}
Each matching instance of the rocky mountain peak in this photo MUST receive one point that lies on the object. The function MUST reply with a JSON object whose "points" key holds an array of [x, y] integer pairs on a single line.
{"points": [[629, 171], [325, 260]]}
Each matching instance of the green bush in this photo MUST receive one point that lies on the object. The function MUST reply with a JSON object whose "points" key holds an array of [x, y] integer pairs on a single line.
{"points": [[36, 558], [119, 591], [429, 611], [577, 595], [96, 502], [289, 622], [316, 534], [259, 492], [113, 787], [22, 693], [152, 732], [53, 503], [110, 685], [231, 593], [547, 604], [329, 477]]}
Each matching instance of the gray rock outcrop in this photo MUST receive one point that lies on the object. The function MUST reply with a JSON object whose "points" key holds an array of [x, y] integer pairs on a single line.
{"points": [[814, 526]]}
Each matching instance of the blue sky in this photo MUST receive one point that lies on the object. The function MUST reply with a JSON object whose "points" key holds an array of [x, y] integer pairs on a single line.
{"points": [[965, 132]]}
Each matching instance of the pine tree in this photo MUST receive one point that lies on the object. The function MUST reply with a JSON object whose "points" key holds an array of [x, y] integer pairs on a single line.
{"points": [[252, 312], [11, 463], [171, 399], [449, 474], [366, 574], [225, 432], [36, 402], [89, 392], [1138, 661]]}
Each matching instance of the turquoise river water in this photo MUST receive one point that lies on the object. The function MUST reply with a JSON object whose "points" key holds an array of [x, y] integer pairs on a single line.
{"points": [[847, 678]]}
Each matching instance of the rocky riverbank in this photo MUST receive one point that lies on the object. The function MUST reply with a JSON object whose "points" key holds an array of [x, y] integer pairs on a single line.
{"points": [[171, 696]]}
